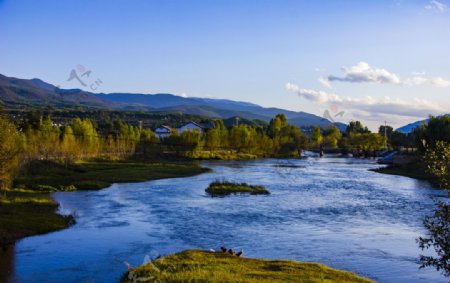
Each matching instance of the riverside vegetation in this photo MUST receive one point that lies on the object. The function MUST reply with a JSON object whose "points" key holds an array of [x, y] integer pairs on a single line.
{"points": [[206, 266]]}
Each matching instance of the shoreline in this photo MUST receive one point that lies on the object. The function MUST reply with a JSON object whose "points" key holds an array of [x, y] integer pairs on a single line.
{"points": [[24, 208], [413, 173]]}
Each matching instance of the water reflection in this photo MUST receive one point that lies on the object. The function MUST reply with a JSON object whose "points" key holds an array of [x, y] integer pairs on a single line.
{"points": [[7, 254]]}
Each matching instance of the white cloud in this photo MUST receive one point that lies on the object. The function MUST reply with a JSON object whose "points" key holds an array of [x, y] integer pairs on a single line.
{"points": [[387, 105], [419, 80], [310, 94], [440, 82], [183, 94], [325, 82], [363, 72], [436, 5]]}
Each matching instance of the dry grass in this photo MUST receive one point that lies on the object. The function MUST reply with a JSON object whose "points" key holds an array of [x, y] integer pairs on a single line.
{"points": [[204, 266]]}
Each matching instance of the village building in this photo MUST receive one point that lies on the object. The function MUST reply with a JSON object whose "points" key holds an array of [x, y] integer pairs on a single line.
{"points": [[192, 126], [163, 132]]}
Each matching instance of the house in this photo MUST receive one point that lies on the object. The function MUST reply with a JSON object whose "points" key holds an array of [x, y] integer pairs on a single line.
{"points": [[192, 126], [163, 132]]}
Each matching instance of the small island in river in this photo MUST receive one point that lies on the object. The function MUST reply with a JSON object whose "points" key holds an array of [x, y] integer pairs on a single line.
{"points": [[224, 188]]}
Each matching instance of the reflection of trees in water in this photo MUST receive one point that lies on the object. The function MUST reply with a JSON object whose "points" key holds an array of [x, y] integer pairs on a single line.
{"points": [[7, 258]]}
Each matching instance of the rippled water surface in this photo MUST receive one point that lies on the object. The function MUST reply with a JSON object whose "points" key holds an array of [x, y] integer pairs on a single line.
{"points": [[328, 210]]}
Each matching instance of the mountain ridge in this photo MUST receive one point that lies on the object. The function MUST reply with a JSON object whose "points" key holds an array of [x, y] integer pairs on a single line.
{"points": [[409, 128], [15, 92]]}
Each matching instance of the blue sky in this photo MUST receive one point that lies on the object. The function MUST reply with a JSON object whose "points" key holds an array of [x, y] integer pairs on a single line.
{"points": [[374, 60]]}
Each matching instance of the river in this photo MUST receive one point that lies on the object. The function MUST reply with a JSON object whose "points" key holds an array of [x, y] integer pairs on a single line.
{"points": [[331, 210]]}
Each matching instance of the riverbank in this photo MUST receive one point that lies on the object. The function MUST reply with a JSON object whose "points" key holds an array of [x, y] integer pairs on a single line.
{"points": [[99, 174], [30, 210], [205, 266], [415, 169], [26, 213]]}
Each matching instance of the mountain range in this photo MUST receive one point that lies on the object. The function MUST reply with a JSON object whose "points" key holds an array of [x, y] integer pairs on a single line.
{"points": [[34, 93], [409, 128]]}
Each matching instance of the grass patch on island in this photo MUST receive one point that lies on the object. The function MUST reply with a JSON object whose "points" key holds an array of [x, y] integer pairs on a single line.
{"points": [[224, 188], [25, 213], [204, 266], [52, 176]]}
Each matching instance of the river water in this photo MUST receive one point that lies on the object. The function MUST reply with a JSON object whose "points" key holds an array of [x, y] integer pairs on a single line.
{"points": [[331, 210]]}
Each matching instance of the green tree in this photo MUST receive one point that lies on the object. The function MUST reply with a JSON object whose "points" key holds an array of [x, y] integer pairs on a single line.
{"points": [[212, 139], [437, 129], [9, 151], [276, 124], [290, 141], [87, 137], [356, 127], [438, 225], [69, 146], [332, 136], [316, 137]]}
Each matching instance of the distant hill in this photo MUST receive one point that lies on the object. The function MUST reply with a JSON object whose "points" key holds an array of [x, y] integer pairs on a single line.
{"points": [[18, 93], [407, 129]]}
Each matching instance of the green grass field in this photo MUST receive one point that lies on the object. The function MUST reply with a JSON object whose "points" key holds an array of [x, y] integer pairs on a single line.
{"points": [[39, 175], [204, 266]]}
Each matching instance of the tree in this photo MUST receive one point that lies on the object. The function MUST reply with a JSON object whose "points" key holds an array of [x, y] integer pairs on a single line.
{"points": [[86, 136], [69, 147], [437, 129], [389, 130], [356, 127], [212, 139], [332, 136], [399, 139], [438, 161], [292, 140], [9, 151], [438, 225], [276, 124], [222, 132], [317, 139]]}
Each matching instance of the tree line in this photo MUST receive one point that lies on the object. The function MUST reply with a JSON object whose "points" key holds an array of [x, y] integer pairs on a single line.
{"points": [[39, 138]]}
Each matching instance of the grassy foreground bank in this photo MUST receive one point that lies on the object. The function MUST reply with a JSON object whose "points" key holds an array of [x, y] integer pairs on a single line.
{"points": [[100, 174], [205, 266], [25, 213]]}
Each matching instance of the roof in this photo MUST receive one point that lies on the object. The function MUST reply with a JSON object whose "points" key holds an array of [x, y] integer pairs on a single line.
{"points": [[164, 127], [201, 125]]}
